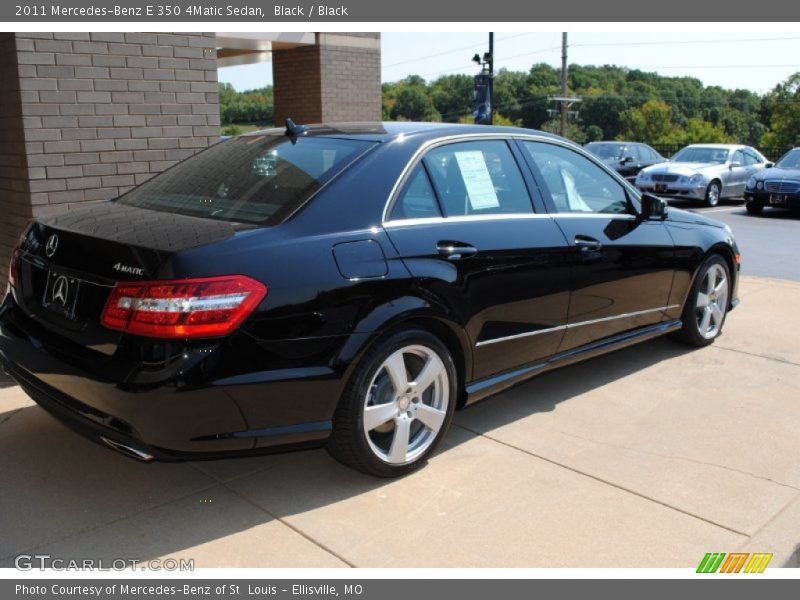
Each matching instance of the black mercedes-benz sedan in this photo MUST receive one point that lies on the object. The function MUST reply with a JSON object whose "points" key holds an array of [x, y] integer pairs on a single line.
{"points": [[626, 158], [347, 286], [777, 187]]}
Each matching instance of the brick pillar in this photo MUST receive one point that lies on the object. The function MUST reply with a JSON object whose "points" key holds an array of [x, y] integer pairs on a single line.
{"points": [[338, 79], [15, 206], [86, 116]]}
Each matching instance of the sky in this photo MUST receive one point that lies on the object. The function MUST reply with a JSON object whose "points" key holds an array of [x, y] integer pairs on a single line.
{"points": [[754, 61]]}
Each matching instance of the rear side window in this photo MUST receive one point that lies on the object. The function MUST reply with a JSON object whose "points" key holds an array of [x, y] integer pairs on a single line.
{"points": [[478, 178], [418, 200], [250, 179]]}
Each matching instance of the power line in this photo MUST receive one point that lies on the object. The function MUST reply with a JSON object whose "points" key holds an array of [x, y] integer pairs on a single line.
{"points": [[453, 51], [675, 42]]}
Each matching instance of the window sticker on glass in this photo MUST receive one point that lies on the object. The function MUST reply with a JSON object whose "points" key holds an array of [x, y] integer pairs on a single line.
{"points": [[477, 180]]}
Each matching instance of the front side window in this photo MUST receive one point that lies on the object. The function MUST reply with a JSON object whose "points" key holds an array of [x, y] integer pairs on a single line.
{"points": [[738, 157], [259, 179], [751, 158], [575, 183], [478, 178]]}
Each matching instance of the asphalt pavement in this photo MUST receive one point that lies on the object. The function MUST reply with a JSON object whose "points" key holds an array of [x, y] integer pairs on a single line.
{"points": [[769, 242]]}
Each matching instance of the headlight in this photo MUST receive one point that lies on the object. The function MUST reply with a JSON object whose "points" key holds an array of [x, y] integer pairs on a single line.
{"points": [[644, 176], [751, 183], [695, 179], [759, 185], [683, 179]]}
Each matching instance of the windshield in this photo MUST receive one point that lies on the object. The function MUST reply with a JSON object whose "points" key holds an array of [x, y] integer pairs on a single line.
{"points": [[790, 160], [260, 179], [608, 151], [702, 155]]}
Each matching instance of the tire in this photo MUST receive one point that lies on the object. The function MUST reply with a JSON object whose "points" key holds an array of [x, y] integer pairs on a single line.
{"points": [[707, 304], [754, 207], [713, 192], [383, 406]]}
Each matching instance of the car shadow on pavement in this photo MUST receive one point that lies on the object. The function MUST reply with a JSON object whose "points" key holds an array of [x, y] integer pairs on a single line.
{"points": [[72, 498]]}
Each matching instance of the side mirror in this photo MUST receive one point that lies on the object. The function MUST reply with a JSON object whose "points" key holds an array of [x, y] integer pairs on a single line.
{"points": [[654, 207], [627, 159], [735, 164], [769, 165]]}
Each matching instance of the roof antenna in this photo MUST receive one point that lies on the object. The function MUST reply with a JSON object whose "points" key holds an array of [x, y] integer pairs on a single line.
{"points": [[294, 130]]}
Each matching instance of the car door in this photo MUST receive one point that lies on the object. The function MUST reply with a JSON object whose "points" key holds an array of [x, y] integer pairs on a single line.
{"points": [[465, 226], [622, 265], [737, 175]]}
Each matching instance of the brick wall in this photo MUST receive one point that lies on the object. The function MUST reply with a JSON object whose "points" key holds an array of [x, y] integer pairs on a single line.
{"points": [[15, 207], [101, 112], [339, 79]]}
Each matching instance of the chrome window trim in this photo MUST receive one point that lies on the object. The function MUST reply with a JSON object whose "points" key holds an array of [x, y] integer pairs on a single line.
{"points": [[574, 325], [466, 137], [503, 217]]}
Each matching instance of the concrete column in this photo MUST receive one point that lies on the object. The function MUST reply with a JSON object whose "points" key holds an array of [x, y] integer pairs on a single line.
{"points": [[338, 79], [86, 116]]}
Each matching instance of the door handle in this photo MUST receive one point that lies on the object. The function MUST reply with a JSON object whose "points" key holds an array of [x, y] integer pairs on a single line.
{"points": [[453, 250], [585, 242]]}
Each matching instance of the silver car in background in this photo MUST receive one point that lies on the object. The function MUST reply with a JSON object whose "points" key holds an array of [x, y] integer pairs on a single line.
{"points": [[707, 172]]}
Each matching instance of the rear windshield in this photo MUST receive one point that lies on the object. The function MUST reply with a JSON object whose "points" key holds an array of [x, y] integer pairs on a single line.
{"points": [[249, 179]]}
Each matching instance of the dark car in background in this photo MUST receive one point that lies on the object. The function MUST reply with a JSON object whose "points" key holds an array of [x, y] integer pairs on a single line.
{"points": [[777, 186], [626, 158], [346, 286]]}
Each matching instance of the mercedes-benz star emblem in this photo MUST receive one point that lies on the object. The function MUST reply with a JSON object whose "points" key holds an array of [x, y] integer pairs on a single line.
{"points": [[60, 290], [51, 246]]}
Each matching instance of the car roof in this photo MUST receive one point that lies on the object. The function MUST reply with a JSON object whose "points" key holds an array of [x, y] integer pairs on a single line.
{"points": [[389, 130], [725, 146]]}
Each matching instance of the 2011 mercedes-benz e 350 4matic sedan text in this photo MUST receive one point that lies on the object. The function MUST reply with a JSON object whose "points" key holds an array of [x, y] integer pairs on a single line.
{"points": [[347, 286]]}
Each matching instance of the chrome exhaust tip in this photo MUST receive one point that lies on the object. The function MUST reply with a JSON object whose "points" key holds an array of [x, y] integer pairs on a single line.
{"points": [[128, 450]]}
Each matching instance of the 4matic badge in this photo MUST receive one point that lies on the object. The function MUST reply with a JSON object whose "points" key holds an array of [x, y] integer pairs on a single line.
{"points": [[128, 269]]}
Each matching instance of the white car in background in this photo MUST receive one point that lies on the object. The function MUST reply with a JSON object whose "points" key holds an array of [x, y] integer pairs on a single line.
{"points": [[707, 172]]}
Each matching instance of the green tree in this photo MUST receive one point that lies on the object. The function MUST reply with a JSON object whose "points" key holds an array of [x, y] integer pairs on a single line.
{"points": [[652, 123], [413, 104], [784, 120]]}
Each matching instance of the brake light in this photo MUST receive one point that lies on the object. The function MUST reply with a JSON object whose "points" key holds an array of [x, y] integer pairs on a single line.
{"points": [[186, 308]]}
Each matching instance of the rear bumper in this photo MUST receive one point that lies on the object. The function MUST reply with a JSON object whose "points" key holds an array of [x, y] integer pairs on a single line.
{"points": [[194, 410]]}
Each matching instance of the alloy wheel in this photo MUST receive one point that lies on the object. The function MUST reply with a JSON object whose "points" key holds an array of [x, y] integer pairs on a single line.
{"points": [[712, 196], [406, 404], [712, 301]]}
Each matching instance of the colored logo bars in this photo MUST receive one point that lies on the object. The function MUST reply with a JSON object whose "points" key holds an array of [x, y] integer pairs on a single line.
{"points": [[735, 562]]}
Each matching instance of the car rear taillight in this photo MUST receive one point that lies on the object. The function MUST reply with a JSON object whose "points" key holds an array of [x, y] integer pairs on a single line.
{"points": [[186, 308]]}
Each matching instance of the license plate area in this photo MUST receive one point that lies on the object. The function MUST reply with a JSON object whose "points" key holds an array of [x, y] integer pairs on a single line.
{"points": [[61, 294], [661, 187], [777, 199]]}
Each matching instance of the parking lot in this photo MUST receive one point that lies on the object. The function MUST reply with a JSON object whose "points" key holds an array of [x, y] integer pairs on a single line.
{"points": [[651, 456]]}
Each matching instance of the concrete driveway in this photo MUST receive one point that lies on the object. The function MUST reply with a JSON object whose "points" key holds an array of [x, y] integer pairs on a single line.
{"points": [[651, 456]]}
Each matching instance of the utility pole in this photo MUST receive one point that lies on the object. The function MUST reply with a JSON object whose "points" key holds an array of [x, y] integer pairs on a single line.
{"points": [[563, 103], [484, 86], [563, 130], [491, 76]]}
